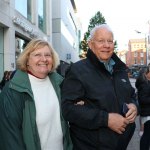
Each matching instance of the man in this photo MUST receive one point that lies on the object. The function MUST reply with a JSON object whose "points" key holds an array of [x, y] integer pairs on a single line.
{"points": [[97, 97]]}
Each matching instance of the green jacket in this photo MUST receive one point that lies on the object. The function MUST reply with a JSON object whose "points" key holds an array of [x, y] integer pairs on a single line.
{"points": [[18, 130]]}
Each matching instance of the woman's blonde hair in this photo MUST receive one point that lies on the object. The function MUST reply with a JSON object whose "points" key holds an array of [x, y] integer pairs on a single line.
{"points": [[33, 45]]}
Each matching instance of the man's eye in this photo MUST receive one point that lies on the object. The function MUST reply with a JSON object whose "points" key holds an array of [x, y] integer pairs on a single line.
{"points": [[101, 41], [110, 41]]}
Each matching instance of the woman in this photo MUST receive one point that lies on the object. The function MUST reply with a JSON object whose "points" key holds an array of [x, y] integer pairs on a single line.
{"points": [[30, 115], [143, 88]]}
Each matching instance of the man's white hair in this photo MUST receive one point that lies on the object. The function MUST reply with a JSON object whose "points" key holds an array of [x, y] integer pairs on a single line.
{"points": [[97, 27]]}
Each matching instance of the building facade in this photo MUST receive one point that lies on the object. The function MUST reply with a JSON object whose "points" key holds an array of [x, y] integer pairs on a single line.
{"points": [[65, 29], [22, 20], [122, 55], [137, 53]]}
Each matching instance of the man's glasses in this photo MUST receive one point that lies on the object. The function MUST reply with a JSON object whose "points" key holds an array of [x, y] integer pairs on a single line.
{"points": [[102, 42]]}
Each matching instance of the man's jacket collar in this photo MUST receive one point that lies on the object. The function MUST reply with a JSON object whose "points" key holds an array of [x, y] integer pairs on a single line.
{"points": [[119, 65]]}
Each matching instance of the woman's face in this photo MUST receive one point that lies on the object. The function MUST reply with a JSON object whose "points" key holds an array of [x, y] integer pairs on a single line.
{"points": [[40, 62]]}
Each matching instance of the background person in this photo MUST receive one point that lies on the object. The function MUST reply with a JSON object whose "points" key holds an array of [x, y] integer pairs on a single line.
{"points": [[30, 113], [143, 89], [101, 82], [5, 79]]}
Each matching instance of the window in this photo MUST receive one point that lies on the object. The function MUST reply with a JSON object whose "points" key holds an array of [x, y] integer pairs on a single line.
{"points": [[42, 15], [24, 7], [72, 22], [68, 56], [135, 54], [135, 61], [20, 45], [141, 54], [142, 62]]}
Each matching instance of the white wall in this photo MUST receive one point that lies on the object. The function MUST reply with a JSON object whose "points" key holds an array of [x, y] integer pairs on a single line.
{"points": [[63, 24]]}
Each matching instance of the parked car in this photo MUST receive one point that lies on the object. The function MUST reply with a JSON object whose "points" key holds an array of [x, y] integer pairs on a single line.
{"points": [[135, 74]]}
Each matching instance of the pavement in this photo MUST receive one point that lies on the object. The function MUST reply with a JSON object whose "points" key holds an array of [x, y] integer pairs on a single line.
{"points": [[135, 141]]}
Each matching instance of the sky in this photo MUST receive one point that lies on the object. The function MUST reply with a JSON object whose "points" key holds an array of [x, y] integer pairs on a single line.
{"points": [[123, 17]]}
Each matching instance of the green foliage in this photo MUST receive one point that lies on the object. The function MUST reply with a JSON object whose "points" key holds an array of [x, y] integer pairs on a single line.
{"points": [[115, 48], [96, 20]]}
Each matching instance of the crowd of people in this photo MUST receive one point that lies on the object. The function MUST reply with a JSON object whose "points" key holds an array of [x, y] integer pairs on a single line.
{"points": [[92, 106]]}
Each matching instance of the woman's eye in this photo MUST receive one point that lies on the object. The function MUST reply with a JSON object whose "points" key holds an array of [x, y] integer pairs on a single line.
{"points": [[37, 55]]}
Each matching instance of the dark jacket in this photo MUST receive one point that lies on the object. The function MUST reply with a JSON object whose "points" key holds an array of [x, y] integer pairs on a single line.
{"points": [[143, 91], [18, 130], [102, 93], [7, 76]]}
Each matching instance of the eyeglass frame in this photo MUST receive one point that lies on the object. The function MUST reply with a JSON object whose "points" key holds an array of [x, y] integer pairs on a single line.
{"points": [[102, 41], [40, 55]]}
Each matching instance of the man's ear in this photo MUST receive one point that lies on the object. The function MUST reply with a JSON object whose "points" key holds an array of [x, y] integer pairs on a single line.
{"points": [[90, 44]]}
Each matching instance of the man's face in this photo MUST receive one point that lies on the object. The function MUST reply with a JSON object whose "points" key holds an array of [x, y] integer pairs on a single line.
{"points": [[102, 44]]}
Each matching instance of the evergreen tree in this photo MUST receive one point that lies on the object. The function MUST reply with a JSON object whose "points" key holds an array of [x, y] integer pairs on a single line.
{"points": [[115, 48], [94, 21]]}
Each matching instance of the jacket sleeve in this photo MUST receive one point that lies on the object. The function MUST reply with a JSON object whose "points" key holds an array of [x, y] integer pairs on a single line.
{"points": [[86, 116], [10, 125], [144, 93]]}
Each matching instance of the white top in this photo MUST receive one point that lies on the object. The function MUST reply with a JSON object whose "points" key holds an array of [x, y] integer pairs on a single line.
{"points": [[47, 114], [144, 119]]}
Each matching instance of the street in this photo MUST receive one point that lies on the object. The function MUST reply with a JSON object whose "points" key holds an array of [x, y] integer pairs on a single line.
{"points": [[134, 143]]}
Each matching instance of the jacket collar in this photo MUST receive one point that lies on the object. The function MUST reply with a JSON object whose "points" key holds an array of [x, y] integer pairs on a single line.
{"points": [[21, 83], [119, 65]]}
